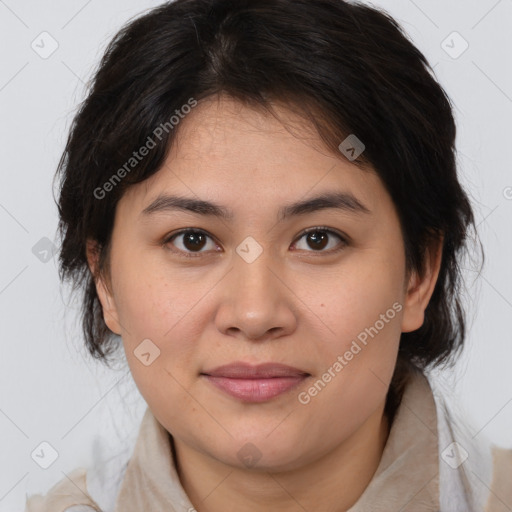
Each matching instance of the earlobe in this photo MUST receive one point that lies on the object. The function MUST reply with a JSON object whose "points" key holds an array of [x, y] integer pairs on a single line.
{"points": [[108, 304], [421, 288]]}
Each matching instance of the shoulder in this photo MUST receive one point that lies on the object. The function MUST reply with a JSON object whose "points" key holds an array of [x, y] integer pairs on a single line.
{"points": [[94, 488], [502, 458], [68, 495], [500, 497], [85, 490], [473, 471]]}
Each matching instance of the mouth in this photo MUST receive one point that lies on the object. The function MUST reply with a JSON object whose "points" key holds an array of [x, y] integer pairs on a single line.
{"points": [[255, 384]]}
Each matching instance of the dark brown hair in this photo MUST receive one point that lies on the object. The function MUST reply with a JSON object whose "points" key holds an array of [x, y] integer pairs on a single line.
{"points": [[348, 68]]}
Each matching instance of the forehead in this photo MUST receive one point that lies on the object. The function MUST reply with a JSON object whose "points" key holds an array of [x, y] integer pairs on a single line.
{"points": [[232, 153], [222, 128]]}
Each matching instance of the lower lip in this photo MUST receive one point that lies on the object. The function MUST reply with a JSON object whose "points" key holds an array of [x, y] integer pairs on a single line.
{"points": [[255, 390]]}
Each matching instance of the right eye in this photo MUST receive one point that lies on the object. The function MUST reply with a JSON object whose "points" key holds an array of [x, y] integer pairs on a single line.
{"points": [[189, 242]]}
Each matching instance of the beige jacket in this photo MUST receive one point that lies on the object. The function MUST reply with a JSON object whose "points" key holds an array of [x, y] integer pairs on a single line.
{"points": [[428, 464]]}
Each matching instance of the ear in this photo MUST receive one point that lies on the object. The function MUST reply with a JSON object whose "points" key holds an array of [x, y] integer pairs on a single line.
{"points": [[420, 289], [103, 288]]}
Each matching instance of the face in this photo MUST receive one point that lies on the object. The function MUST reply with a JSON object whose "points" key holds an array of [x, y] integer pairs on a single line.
{"points": [[298, 260]]}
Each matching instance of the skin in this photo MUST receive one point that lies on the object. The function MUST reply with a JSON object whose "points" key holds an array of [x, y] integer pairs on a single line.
{"points": [[295, 304]]}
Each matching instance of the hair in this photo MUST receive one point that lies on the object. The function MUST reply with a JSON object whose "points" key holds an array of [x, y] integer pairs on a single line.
{"points": [[345, 67]]}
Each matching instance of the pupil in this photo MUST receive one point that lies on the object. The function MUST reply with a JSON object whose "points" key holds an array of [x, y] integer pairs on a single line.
{"points": [[318, 239], [194, 241]]}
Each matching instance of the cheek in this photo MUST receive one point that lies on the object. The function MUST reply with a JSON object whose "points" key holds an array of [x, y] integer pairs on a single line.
{"points": [[150, 303], [364, 312], [358, 362], [355, 297], [169, 312], [159, 336]]}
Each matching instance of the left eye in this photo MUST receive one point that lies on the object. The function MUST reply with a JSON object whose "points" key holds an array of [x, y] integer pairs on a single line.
{"points": [[319, 239]]}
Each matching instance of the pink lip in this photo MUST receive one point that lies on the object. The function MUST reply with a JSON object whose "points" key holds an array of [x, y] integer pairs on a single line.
{"points": [[255, 383]]}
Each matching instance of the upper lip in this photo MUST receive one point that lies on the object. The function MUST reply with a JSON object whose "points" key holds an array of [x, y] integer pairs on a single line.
{"points": [[241, 370]]}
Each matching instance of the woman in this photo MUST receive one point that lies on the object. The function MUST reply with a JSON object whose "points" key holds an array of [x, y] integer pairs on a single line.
{"points": [[260, 198]]}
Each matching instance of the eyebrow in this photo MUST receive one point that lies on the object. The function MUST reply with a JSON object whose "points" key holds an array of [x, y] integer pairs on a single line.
{"points": [[344, 201]]}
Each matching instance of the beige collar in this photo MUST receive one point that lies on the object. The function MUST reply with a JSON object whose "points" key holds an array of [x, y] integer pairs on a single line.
{"points": [[406, 480]]}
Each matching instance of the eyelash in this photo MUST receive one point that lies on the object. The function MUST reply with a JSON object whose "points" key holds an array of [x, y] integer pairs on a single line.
{"points": [[344, 240]]}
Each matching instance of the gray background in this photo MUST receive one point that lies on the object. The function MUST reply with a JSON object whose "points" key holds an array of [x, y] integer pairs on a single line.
{"points": [[50, 390]]}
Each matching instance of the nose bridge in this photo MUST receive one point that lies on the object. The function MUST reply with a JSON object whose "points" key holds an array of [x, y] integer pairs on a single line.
{"points": [[255, 281], [255, 301]]}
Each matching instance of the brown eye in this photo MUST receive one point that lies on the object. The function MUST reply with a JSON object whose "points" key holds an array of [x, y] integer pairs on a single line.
{"points": [[318, 239], [194, 241], [191, 241]]}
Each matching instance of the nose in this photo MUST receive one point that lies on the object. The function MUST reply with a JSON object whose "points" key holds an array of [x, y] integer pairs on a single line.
{"points": [[256, 303]]}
